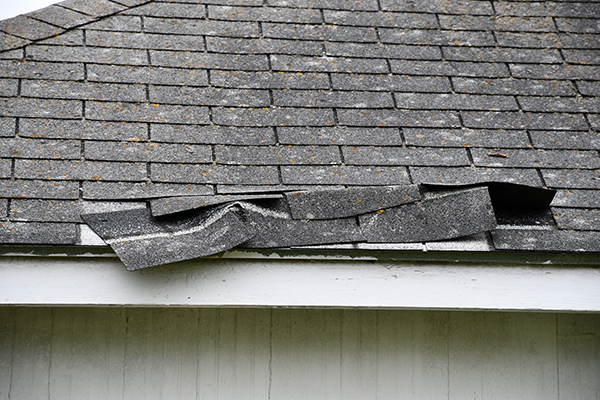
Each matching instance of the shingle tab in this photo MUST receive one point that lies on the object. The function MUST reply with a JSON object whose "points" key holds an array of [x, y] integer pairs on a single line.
{"points": [[79, 170], [466, 137], [211, 135], [277, 155], [203, 174], [437, 216], [275, 116], [407, 118], [38, 233], [405, 156], [144, 112], [77, 129], [147, 152], [340, 136], [345, 175]]}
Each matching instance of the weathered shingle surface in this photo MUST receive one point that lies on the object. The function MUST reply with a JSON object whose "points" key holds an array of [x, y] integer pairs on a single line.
{"points": [[116, 101]]}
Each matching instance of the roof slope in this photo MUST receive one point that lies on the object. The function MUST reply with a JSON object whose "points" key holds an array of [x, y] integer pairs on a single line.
{"points": [[107, 104]]}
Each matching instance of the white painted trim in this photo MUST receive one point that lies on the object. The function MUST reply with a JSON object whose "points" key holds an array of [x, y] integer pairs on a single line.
{"points": [[300, 283]]}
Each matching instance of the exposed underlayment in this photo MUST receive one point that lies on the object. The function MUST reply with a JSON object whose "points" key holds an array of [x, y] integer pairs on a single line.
{"points": [[286, 124]]}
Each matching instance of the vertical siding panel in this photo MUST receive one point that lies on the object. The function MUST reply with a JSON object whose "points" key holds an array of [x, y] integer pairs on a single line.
{"points": [[31, 354], [7, 338], [359, 358], [207, 380], [502, 356], [579, 356], [252, 354], [413, 355]]}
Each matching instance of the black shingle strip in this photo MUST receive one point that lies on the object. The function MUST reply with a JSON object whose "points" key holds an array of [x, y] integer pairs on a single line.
{"points": [[442, 7], [28, 28], [265, 14], [466, 137], [146, 190], [263, 46], [38, 233], [151, 75], [42, 108], [269, 80], [8, 42], [572, 178], [536, 158], [210, 174], [515, 120], [577, 218], [400, 83], [277, 155], [80, 170], [400, 118], [98, 55], [344, 175], [438, 216], [314, 98], [340, 203], [194, 60], [211, 135], [143, 112], [430, 37], [82, 90], [209, 96], [405, 156], [134, 40], [328, 64], [41, 70], [273, 117], [445, 68], [40, 148], [468, 175], [170, 205], [381, 19], [39, 189], [199, 27], [78, 129], [546, 240], [340, 136], [577, 198], [147, 152], [142, 241]]}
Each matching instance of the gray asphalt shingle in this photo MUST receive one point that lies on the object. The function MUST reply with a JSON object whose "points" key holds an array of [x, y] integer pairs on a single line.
{"points": [[138, 99]]}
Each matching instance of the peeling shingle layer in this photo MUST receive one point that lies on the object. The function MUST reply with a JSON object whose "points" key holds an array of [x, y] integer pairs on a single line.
{"points": [[122, 100]]}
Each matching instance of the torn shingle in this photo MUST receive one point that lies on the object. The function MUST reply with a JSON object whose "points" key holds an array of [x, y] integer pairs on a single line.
{"points": [[171, 205], [440, 215], [340, 203]]}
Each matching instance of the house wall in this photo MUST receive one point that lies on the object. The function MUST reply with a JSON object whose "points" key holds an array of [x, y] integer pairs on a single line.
{"points": [[198, 353]]}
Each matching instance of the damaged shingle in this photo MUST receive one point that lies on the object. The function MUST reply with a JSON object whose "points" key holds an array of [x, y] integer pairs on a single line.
{"points": [[440, 215]]}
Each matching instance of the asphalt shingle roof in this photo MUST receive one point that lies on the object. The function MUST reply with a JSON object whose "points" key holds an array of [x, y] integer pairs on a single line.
{"points": [[105, 105]]}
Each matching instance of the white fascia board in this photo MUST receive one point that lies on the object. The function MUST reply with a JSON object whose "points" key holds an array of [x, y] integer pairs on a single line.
{"points": [[278, 282]]}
